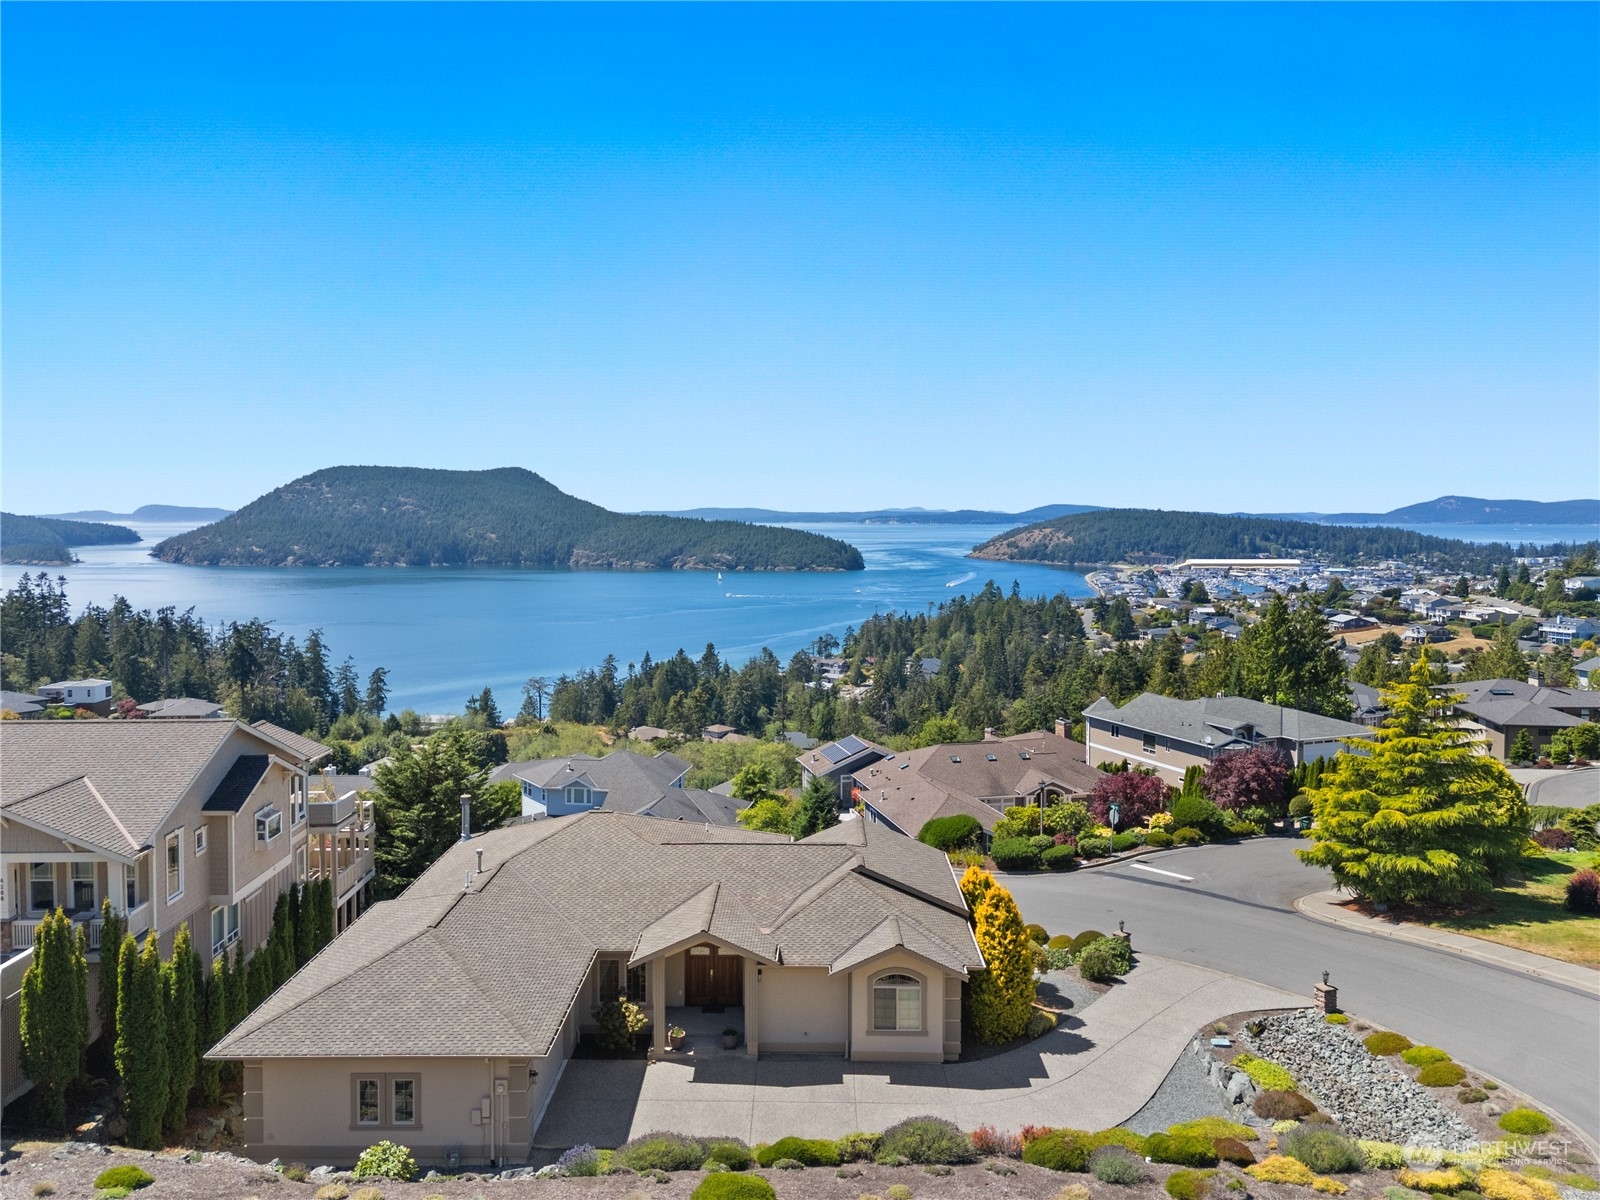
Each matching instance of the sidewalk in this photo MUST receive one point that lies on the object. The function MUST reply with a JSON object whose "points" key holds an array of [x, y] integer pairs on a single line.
{"points": [[1325, 906]]}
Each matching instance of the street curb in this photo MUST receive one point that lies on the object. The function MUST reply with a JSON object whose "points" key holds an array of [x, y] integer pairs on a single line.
{"points": [[1318, 907]]}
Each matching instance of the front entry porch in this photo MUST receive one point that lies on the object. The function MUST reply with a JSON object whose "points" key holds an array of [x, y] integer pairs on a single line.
{"points": [[703, 1030]]}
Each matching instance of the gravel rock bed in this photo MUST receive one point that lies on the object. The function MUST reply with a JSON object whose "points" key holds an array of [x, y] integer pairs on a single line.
{"points": [[1188, 1092], [1367, 1096]]}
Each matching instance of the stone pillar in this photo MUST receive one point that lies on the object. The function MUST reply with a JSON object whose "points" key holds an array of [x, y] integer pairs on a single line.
{"points": [[1326, 996], [656, 990]]}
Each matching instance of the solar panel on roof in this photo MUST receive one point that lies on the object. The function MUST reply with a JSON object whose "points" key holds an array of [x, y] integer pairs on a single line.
{"points": [[835, 753], [852, 744]]}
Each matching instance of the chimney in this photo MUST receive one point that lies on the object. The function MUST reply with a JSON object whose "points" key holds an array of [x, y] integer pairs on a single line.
{"points": [[466, 818], [1061, 727], [988, 733]]}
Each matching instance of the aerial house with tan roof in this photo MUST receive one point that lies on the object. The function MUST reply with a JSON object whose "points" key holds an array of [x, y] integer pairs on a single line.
{"points": [[445, 1018]]}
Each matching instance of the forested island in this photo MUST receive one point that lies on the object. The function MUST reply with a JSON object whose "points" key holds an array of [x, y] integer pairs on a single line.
{"points": [[48, 541], [1143, 535], [415, 517]]}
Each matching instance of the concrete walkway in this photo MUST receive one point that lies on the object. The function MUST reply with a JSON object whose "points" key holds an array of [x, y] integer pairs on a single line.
{"points": [[1326, 906], [1097, 1070]]}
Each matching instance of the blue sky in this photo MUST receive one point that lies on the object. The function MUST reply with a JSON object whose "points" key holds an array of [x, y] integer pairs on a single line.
{"points": [[1247, 257]]}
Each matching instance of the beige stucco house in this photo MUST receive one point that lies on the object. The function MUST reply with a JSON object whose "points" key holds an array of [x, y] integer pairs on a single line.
{"points": [[445, 1017], [197, 821]]}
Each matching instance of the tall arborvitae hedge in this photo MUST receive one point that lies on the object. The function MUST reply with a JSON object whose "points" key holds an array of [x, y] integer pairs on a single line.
{"points": [[238, 988], [216, 1027], [324, 912], [110, 947], [177, 985], [304, 929], [52, 1036], [142, 1042], [80, 992]]}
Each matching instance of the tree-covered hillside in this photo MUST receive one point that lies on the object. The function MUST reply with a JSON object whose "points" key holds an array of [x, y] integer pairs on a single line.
{"points": [[410, 516], [49, 540], [1151, 535]]}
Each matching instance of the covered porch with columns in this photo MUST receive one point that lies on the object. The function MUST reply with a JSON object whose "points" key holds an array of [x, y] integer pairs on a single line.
{"points": [[703, 985]]}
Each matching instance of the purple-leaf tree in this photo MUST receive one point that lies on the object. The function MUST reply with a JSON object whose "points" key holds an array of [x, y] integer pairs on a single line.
{"points": [[1247, 779], [1137, 796]]}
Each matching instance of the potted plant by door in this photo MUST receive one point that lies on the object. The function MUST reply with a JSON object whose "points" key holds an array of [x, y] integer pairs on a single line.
{"points": [[676, 1036], [730, 1038]]}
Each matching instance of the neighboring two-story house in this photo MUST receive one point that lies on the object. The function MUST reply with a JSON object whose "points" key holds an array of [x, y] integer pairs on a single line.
{"points": [[1169, 736], [197, 821], [643, 784], [91, 694], [1496, 710], [838, 762]]}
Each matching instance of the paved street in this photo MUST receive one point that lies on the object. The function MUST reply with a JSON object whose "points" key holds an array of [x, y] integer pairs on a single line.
{"points": [[1237, 916], [1565, 789]]}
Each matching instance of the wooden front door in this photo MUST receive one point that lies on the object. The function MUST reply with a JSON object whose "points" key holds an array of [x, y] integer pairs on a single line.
{"points": [[711, 977]]}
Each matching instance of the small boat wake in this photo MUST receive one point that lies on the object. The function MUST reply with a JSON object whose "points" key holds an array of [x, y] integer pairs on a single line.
{"points": [[967, 578]]}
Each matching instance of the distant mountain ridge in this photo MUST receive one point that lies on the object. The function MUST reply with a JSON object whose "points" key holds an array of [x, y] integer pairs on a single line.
{"points": [[881, 516], [148, 512], [48, 541], [1154, 536], [508, 516], [1461, 510]]}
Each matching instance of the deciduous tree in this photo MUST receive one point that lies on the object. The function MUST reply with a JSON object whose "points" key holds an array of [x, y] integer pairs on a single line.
{"points": [[1137, 796], [1257, 777]]}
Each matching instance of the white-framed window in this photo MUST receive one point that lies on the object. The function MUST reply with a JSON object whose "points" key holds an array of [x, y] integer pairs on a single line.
{"points": [[300, 864], [130, 886], [577, 795], [42, 887], [402, 1102], [224, 927], [174, 864], [369, 1100], [269, 824], [897, 1003], [199, 841], [297, 800], [82, 886]]}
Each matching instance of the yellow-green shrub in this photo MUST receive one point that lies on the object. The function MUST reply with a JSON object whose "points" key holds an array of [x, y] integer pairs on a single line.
{"points": [[1331, 1186], [1280, 1168], [1268, 1076], [1445, 1179], [1496, 1184]]}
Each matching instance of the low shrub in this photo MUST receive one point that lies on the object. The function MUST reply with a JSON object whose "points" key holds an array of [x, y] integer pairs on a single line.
{"points": [[1280, 1168], [730, 1185], [580, 1161], [991, 1142], [386, 1160], [333, 1191], [938, 1170], [1496, 1184], [1094, 847], [1058, 1150], [1583, 892], [858, 1147], [1382, 1156], [1266, 1075], [1395, 1192], [1059, 858], [1084, 940], [1471, 1095], [788, 1164], [366, 1193], [1441, 1074], [1331, 1187], [1300, 806], [1057, 959], [808, 1152], [1014, 854], [897, 1191], [294, 1172], [1243, 829], [1198, 813], [1040, 1023], [960, 832], [1158, 838], [1060, 942], [1422, 1056], [116, 1193], [1282, 1104], [1213, 1128], [1384, 1044], [1325, 1151], [1337, 1019], [662, 1152], [1554, 839], [1037, 934], [1121, 843], [44, 1188], [1113, 1164], [1180, 1151], [124, 1176], [1440, 1181], [926, 1140], [1104, 960], [730, 1153], [1527, 1121], [1188, 1185], [1187, 836], [1232, 1150], [1117, 1135], [1073, 1191]]}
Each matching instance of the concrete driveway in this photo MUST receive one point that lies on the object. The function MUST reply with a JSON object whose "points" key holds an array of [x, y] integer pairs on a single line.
{"points": [[1563, 788], [1232, 908], [1097, 1070]]}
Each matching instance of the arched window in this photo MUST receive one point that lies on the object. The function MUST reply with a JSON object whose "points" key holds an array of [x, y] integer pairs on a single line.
{"points": [[897, 1003]]}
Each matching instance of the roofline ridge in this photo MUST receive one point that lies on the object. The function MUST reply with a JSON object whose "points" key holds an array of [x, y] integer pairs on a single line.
{"points": [[817, 889], [115, 820]]}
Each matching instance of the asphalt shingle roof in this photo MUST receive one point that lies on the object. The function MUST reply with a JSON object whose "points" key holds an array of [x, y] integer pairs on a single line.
{"points": [[467, 964], [1217, 717], [238, 783]]}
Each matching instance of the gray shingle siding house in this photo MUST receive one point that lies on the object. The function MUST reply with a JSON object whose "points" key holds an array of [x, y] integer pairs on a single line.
{"points": [[1498, 709], [1171, 735], [622, 781], [445, 1019]]}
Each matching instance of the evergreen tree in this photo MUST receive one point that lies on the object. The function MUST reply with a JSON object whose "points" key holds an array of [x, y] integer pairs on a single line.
{"points": [[377, 697], [304, 934], [258, 984], [177, 987], [322, 914], [239, 1005], [818, 810], [1502, 660], [1000, 997], [975, 884], [347, 685], [209, 1082], [417, 804], [1287, 658], [80, 993], [110, 948], [280, 941], [52, 1038], [1521, 748], [1421, 817], [142, 1042]]}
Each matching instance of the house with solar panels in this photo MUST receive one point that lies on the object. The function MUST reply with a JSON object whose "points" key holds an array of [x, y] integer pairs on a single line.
{"points": [[839, 761]]}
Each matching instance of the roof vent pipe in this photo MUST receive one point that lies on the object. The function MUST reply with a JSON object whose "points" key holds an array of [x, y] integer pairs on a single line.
{"points": [[466, 817], [480, 862]]}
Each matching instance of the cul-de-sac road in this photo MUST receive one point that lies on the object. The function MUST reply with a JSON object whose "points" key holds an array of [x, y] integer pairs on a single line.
{"points": [[1236, 913]]}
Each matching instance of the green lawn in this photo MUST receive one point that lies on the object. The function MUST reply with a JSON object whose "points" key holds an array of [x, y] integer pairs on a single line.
{"points": [[1530, 914]]}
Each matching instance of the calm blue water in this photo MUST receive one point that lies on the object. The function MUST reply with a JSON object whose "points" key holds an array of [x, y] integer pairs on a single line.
{"points": [[1512, 535], [445, 633]]}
